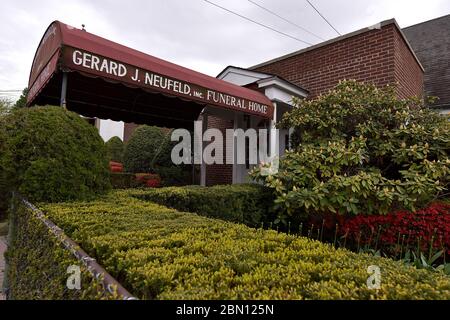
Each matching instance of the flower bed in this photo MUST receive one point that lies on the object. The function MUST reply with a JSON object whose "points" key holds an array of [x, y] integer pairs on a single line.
{"points": [[425, 228]]}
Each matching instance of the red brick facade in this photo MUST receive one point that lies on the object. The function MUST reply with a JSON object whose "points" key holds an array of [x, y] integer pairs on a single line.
{"points": [[380, 56], [219, 173], [408, 73], [128, 130]]}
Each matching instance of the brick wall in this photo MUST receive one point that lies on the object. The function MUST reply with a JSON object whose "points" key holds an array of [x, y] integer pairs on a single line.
{"points": [[128, 129], [219, 173], [408, 73], [379, 56]]}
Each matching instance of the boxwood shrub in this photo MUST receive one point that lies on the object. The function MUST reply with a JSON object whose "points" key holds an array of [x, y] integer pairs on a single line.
{"points": [[4, 190], [148, 147], [37, 264], [124, 180], [115, 148], [161, 253], [246, 203], [53, 155]]}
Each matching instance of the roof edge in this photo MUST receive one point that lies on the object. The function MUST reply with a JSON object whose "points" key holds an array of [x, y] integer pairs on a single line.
{"points": [[57, 24], [269, 76], [434, 19], [283, 84], [239, 68], [400, 30], [343, 37]]}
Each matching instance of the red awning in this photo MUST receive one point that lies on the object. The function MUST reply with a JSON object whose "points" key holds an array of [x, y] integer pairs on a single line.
{"points": [[65, 48]]}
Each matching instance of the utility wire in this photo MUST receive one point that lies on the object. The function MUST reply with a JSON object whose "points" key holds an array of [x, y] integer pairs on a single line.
{"points": [[258, 23], [284, 19], [323, 17]]}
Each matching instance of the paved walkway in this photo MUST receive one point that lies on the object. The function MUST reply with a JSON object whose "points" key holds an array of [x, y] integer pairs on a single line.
{"points": [[2, 264]]}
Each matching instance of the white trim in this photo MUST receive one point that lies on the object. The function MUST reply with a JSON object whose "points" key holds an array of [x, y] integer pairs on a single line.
{"points": [[275, 88], [230, 70], [444, 111], [281, 90]]}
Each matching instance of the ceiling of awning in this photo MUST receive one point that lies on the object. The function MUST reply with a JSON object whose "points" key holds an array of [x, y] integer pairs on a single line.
{"points": [[111, 81]]}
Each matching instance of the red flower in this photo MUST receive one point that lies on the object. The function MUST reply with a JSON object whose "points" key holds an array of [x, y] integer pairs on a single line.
{"points": [[414, 228]]}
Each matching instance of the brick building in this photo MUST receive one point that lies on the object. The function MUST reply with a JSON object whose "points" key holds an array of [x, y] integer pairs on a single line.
{"points": [[102, 79], [380, 54]]}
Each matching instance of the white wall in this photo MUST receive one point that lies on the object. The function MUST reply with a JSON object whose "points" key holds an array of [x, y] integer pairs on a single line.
{"points": [[109, 129], [444, 111]]}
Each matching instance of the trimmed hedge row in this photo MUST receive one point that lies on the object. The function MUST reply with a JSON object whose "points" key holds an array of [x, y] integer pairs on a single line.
{"points": [[38, 262], [245, 203], [124, 180], [162, 253]]}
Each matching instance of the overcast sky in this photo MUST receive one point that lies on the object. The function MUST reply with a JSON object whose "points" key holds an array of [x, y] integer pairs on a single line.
{"points": [[193, 33]]}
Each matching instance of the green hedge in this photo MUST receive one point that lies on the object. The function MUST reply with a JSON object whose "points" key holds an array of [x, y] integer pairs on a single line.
{"points": [[53, 155], [246, 203], [38, 262], [4, 188], [162, 253], [124, 180], [148, 148], [115, 149]]}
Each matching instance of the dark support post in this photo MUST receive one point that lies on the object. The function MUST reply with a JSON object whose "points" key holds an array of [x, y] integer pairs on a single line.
{"points": [[63, 90], [192, 160]]}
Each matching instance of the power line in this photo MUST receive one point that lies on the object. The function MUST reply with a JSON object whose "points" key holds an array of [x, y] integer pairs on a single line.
{"points": [[284, 19], [258, 23], [323, 17]]}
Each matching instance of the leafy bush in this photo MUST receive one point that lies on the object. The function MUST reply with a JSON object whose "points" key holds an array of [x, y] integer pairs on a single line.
{"points": [[5, 106], [38, 262], [360, 149], [246, 203], [54, 155], [4, 190], [148, 147], [174, 175], [115, 149], [22, 101], [161, 253], [124, 180], [149, 150]]}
